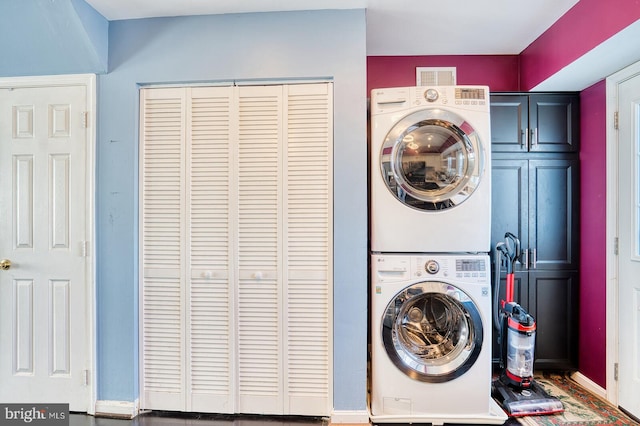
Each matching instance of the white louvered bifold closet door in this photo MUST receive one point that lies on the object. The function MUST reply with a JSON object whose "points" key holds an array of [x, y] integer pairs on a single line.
{"points": [[236, 249], [210, 312], [163, 246], [260, 311], [308, 231]]}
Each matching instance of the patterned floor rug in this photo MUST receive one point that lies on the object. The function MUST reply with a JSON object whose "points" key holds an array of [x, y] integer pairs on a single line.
{"points": [[580, 406]]}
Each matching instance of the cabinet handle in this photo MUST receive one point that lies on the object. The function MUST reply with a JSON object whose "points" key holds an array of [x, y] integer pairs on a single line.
{"points": [[534, 260], [525, 253], [534, 137], [524, 134]]}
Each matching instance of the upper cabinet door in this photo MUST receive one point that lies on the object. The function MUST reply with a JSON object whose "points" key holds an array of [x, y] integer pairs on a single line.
{"points": [[509, 123], [535, 123], [554, 123]]}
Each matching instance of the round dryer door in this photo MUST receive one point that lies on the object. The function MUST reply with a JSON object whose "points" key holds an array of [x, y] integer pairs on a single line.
{"points": [[432, 160], [432, 331]]}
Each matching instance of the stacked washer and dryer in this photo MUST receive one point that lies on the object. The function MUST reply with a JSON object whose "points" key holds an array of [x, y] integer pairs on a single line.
{"points": [[431, 318]]}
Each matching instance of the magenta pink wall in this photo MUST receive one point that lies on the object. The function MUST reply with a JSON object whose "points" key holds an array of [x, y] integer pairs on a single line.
{"points": [[583, 27], [499, 72], [593, 138]]}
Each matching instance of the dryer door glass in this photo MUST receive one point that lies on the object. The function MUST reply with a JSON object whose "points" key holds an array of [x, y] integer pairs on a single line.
{"points": [[432, 331], [432, 160]]}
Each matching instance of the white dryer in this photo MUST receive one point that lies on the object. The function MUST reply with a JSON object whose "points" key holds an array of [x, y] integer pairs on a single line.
{"points": [[430, 169], [431, 327]]}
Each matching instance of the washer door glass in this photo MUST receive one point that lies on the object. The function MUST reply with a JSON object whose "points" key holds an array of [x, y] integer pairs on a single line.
{"points": [[432, 331], [432, 160]]}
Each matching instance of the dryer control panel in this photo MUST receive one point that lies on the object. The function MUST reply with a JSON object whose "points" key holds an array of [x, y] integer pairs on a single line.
{"points": [[473, 98]]}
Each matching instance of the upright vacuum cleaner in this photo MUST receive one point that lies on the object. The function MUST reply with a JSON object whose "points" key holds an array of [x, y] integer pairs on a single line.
{"points": [[515, 388]]}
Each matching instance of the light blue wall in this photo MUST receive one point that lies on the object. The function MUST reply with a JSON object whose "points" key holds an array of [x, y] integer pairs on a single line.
{"points": [[96, 28], [265, 46], [45, 37]]}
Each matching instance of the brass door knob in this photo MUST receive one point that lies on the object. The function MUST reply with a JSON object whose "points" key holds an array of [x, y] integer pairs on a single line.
{"points": [[5, 264]]}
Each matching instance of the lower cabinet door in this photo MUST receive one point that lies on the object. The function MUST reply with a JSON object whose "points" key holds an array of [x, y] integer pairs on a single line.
{"points": [[553, 301], [551, 297]]}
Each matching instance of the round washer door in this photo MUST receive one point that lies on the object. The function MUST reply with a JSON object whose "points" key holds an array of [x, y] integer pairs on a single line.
{"points": [[432, 331], [432, 159]]}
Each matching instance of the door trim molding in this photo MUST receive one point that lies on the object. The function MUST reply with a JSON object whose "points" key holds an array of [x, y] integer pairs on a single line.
{"points": [[89, 81], [589, 384], [612, 330], [117, 409], [350, 417]]}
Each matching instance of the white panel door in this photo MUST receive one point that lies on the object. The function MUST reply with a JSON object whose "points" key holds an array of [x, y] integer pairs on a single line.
{"points": [[629, 245], [43, 216]]}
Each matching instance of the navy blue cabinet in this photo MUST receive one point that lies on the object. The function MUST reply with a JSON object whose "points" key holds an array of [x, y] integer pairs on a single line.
{"points": [[537, 200], [535, 195], [542, 122]]}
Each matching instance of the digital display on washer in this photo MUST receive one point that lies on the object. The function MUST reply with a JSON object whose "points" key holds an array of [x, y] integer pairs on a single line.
{"points": [[469, 93], [467, 265]]}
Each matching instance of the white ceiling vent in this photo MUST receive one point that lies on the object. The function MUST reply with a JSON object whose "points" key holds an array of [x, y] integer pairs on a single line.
{"points": [[435, 76]]}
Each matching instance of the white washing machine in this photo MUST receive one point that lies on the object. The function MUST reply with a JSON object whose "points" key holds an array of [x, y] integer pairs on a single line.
{"points": [[431, 327], [430, 169]]}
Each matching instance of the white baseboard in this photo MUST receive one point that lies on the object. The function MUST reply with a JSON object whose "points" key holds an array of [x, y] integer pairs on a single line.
{"points": [[353, 417], [117, 409], [589, 385]]}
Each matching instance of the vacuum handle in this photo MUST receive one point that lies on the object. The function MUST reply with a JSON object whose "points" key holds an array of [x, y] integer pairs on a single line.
{"points": [[513, 246], [509, 290]]}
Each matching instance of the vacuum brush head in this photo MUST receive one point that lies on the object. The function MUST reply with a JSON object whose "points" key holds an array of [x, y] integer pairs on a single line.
{"points": [[534, 401]]}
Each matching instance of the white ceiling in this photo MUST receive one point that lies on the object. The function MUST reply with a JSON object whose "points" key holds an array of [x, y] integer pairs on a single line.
{"points": [[394, 27]]}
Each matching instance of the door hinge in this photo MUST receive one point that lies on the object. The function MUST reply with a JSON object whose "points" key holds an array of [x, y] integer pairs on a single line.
{"points": [[85, 119], [615, 245], [85, 377], [615, 371], [615, 120], [84, 248]]}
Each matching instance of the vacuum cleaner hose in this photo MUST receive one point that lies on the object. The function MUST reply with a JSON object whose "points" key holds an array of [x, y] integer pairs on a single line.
{"points": [[497, 259]]}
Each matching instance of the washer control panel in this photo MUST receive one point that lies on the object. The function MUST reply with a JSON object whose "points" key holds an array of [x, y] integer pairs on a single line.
{"points": [[459, 268]]}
